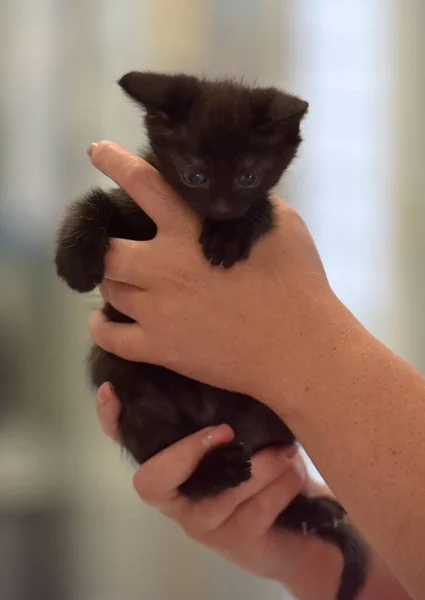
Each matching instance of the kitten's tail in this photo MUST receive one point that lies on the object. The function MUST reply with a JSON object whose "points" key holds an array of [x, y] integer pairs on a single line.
{"points": [[355, 555]]}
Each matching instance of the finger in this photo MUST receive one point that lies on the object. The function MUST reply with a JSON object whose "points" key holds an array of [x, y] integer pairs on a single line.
{"points": [[208, 514], [254, 517], [157, 479], [108, 411], [143, 184], [129, 261], [126, 340], [127, 299]]}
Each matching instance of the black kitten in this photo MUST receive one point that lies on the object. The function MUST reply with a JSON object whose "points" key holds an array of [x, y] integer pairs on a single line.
{"points": [[223, 146]]}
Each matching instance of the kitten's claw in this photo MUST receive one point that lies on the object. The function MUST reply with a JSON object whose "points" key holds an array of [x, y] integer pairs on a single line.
{"points": [[224, 244]]}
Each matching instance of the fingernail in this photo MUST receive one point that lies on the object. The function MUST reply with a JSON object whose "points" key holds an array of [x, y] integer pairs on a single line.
{"points": [[214, 436], [91, 148], [104, 392], [289, 452]]}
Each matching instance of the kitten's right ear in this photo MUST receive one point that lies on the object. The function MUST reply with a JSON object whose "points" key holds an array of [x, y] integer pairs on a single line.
{"points": [[169, 97]]}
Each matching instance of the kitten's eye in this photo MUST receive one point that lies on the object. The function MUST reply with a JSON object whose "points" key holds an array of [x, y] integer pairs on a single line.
{"points": [[249, 179], [194, 178]]}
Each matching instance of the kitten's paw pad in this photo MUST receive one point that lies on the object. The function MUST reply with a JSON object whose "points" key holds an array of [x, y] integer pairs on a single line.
{"points": [[224, 246], [224, 467], [81, 262]]}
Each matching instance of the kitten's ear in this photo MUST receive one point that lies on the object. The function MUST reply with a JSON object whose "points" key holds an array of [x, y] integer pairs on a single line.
{"points": [[164, 96], [278, 112]]}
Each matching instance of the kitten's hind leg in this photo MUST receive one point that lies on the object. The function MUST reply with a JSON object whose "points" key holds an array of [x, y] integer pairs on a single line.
{"points": [[223, 467]]}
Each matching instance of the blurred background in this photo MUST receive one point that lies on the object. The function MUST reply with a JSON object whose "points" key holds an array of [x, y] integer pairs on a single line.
{"points": [[71, 526]]}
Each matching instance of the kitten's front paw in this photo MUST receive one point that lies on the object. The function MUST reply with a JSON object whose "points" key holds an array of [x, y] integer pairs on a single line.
{"points": [[83, 241], [80, 258], [224, 243], [224, 467], [82, 265], [80, 254]]}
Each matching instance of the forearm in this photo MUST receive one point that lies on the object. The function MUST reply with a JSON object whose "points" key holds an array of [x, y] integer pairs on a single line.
{"points": [[360, 414]]}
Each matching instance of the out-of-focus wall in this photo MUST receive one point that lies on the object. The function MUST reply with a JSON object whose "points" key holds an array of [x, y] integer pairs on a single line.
{"points": [[408, 97], [70, 524]]}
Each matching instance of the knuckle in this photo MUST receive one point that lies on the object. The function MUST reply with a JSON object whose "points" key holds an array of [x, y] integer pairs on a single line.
{"points": [[103, 145], [192, 531], [205, 517], [94, 324], [135, 171], [199, 528], [259, 507], [145, 489]]}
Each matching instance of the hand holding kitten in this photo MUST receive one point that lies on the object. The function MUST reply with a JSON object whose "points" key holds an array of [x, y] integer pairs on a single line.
{"points": [[238, 524], [269, 317]]}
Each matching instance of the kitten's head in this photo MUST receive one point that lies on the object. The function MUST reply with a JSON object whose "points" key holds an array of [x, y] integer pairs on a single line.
{"points": [[220, 144]]}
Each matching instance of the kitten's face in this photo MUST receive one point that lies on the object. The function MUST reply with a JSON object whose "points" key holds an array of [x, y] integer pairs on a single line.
{"points": [[221, 145]]}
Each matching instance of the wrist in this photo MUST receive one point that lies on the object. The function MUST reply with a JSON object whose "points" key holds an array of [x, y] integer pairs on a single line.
{"points": [[298, 367]]}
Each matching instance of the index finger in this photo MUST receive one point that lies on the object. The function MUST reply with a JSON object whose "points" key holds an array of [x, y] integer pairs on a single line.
{"points": [[142, 182]]}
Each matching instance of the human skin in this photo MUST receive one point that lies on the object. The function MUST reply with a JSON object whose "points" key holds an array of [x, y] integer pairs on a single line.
{"points": [[239, 523], [273, 328]]}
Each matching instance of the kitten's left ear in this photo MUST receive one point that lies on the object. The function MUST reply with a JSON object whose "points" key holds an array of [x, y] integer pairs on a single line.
{"points": [[279, 112], [164, 96]]}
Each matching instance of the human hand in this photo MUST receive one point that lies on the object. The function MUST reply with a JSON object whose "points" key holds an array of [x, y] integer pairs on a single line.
{"points": [[273, 315], [238, 523]]}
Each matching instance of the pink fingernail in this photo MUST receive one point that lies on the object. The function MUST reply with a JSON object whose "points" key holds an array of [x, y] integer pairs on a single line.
{"points": [[208, 440], [103, 394], [289, 452], [216, 436], [91, 148]]}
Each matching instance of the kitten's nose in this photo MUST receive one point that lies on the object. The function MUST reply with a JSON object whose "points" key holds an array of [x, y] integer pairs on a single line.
{"points": [[221, 209]]}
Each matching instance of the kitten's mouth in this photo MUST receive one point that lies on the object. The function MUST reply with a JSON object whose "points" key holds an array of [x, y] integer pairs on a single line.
{"points": [[222, 217], [224, 214]]}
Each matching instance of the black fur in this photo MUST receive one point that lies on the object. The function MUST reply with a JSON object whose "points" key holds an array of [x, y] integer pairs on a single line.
{"points": [[223, 146]]}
